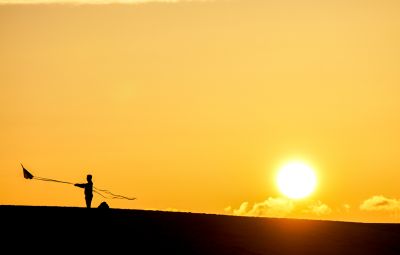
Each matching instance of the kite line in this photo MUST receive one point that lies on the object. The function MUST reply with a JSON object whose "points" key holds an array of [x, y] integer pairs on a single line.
{"points": [[102, 192]]}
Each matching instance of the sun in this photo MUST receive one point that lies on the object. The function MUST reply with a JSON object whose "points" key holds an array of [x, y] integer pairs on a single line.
{"points": [[296, 180]]}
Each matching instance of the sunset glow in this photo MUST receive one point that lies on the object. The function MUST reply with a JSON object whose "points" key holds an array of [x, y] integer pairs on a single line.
{"points": [[197, 105]]}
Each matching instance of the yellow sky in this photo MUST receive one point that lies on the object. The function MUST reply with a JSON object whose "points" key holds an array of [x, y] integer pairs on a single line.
{"points": [[195, 106]]}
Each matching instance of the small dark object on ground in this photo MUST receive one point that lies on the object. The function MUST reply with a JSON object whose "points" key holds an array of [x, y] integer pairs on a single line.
{"points": [[103, 205]]}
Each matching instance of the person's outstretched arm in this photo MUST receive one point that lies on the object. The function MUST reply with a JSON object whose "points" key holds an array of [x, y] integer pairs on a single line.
{"points": [[80, 185]]}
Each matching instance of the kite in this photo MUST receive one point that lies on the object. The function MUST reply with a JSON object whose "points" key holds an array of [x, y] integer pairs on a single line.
{"points": [[102, 192]]}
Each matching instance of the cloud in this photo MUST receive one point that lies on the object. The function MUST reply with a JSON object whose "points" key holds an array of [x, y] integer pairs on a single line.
{"points": [[346, 207], [318, 208], [274, 207], [94, 1], [280, 207], [380, 203], [242, 209], [228, 210]]}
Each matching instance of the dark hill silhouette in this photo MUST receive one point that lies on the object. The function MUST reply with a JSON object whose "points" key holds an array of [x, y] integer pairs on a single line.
{"points": [[59, 230]]}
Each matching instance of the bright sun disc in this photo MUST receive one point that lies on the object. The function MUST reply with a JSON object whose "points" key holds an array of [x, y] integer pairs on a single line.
{"points": [[296, 180]]}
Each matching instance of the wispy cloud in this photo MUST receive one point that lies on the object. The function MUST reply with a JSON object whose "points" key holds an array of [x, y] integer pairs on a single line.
{"points": [[94, 1], [280, 207], [274, 207], [344, 208], [380, 203], [318, 208]]}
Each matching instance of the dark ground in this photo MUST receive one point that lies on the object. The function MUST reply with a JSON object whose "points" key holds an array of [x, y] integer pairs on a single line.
{"points": [[63, 230]]}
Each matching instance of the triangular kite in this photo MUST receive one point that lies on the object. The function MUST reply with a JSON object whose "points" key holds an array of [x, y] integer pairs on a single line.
{"points": [[27, 175]]}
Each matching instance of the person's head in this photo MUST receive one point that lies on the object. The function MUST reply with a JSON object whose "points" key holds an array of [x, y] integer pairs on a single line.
{"points": [[89, 177]]}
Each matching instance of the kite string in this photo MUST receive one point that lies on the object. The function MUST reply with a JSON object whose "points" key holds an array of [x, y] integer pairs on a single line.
{"points": [[100, 193], [113, 196], [50, 180], [96, 190]]}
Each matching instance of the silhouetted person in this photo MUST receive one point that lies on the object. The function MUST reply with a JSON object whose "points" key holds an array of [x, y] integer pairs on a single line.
{"points": [[88, 190]]}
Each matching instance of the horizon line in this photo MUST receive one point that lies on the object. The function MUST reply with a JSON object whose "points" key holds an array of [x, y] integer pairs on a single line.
{"points": [[204, 213]]}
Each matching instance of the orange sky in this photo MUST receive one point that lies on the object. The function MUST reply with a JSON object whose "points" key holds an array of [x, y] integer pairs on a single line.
{"points": [[195, 106]]}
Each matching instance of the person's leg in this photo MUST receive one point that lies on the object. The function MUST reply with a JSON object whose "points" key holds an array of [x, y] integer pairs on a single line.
{"points": [[88, 201]]}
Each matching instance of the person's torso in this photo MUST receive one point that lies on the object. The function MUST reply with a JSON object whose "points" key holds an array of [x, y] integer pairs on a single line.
{"points": [[89, 189]]}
